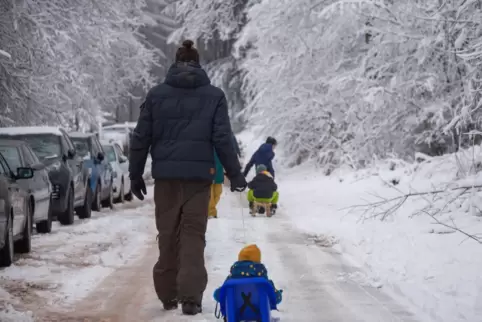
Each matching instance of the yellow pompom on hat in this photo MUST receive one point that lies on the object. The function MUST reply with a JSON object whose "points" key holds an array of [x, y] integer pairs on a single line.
{"points": [[250, 253]]}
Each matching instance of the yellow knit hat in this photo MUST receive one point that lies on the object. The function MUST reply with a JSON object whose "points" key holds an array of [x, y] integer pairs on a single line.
{"points": [[250, 253]]}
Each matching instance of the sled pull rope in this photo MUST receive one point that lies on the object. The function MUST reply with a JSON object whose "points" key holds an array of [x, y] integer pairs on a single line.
{"points": [[242, 216]]}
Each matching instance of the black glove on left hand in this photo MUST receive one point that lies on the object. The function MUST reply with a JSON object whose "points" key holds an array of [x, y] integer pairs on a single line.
{"points": [[138, 188]]}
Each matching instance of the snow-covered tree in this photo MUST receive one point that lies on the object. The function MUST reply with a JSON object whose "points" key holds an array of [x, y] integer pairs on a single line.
{"points": [[70, 59], [350, 81], [214, 25]]}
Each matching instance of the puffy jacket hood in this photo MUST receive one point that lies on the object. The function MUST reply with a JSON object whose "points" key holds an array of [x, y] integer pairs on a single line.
{"points": [[186, 75]]}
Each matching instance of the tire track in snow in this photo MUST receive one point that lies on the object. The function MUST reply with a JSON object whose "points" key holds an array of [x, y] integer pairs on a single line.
{"points": [[309, 275], [285, 256]]}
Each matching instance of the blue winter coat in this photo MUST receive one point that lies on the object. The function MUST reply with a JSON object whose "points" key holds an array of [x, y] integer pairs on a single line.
{"points": [[246, 269], [181, 121], [264, 155]]}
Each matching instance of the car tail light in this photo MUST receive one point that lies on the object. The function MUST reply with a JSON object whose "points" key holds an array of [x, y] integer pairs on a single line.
{"points": [[56, 191]]}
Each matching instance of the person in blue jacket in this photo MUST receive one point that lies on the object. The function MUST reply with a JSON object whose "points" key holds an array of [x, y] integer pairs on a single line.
{"points": [[264, 155]]}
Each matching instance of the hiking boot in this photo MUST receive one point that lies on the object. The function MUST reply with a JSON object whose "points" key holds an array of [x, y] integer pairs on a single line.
{"points": [[170, 305], [261, 210], [190, 308], [274, 207]]}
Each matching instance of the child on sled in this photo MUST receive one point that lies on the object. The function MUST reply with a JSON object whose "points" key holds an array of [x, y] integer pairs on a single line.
{"points": [[249, 265], [263, 190]]}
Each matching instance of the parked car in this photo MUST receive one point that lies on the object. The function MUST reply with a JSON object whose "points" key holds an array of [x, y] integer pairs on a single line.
{"points": [[15, 213], [70, 183], [120, 164], [89, 148], [120, 133], [18, 154]]}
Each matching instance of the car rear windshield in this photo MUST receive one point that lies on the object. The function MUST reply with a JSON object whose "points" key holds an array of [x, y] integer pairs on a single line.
{"points": [[46, 146], [82, 146], [11, 155], [110, 153]]}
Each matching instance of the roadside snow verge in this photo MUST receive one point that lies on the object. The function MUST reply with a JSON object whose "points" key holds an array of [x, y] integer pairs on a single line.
{"points": [[9, 314], [419, 252], [67, 264]]}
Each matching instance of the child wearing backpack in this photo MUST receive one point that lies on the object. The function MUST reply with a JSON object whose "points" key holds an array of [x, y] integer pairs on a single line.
{"points": [[263, 189], [249, 265]]}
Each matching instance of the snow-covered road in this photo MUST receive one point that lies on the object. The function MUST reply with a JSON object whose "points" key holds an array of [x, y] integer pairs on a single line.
{"points": [[309, 269], [68, 264]]}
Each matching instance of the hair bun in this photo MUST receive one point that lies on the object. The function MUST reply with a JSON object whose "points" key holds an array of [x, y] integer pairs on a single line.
{"points": [[187, 44]]}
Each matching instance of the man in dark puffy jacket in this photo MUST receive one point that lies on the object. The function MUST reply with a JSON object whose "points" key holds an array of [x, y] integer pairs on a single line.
{"points": [[236, 146], [264, 155], [181, 121]]}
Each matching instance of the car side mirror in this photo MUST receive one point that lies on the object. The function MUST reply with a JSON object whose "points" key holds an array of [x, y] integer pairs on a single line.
{"points": [[24, 173], [122, 159], [71, 153], [100, 156]]}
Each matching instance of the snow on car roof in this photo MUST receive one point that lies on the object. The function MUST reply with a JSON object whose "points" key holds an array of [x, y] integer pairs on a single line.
{"points": [[30, 130], [81, 135], [128, 125], [115, 126]]}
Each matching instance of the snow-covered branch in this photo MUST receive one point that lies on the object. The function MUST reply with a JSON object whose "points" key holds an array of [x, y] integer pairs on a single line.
{"points": [[70, 59], [344, 82]]}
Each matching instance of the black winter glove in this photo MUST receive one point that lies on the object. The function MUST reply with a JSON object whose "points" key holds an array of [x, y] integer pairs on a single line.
{"points": [[245, 173], [138, 188], [238, 183]]}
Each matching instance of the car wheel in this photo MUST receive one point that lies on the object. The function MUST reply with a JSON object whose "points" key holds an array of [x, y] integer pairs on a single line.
{"points": [[45, 226], [97, 205], [24, 245], [129, 196], [109, 202], [67, 218], [85, 211], [6, 253], [121, 198]]}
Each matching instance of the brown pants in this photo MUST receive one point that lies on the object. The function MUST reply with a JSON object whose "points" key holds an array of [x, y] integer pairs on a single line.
{"points": [[181, 220]]}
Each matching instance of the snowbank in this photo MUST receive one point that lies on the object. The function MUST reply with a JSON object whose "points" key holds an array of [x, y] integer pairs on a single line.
{"points": [[9, 314], [414, 253], [69, 263]]}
